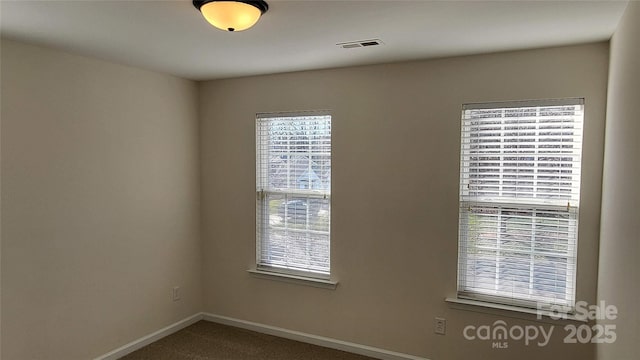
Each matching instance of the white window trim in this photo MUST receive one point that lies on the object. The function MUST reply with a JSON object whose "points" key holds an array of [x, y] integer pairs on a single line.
{"points": [[294, 279], [519, 312], [476, 299], [310, 278]]}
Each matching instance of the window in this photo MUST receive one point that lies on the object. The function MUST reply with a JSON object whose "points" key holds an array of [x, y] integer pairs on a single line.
{"points": [[293, 192], [519, 202]]}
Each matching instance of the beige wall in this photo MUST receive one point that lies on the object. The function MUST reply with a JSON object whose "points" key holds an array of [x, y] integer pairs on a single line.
{"points": [[619, 274], [100, 203], [100, 199], [0, 205], [395, 191]]}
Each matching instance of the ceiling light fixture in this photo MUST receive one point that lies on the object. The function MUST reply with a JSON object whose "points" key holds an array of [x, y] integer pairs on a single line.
{"points": [[234, 15]]}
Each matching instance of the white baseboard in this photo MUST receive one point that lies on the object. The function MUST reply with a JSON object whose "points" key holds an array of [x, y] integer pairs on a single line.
{"points": [[261, 328], [146, 340], [312, 339]]}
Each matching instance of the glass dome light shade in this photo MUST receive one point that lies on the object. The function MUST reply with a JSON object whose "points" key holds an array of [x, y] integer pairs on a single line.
{"points": [[231, 15]]}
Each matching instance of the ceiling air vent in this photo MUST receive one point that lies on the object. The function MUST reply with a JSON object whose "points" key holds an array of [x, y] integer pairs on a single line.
{"points": [[358, 44]]}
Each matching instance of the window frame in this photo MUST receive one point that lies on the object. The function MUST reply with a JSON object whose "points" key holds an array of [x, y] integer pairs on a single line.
{"points": [[310, 277], [534, 206]]}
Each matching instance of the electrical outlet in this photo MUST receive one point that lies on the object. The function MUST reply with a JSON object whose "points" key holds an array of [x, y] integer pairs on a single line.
{"points": [[176, 293], [440, 326]]}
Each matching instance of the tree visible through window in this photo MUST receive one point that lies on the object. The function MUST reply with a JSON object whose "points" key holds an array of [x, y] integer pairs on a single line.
{"points": [[519, 202], [293, 189]]}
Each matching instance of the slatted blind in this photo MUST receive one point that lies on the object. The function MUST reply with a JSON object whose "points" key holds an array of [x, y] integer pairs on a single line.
{"points": [[519, 202], [293, 192]]}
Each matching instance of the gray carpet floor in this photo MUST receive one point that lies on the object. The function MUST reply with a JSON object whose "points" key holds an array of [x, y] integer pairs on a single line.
{"points": [[210, 341]]}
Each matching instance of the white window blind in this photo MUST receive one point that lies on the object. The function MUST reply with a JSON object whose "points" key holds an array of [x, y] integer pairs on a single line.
{"points": [[519, 202], [293, 189]]}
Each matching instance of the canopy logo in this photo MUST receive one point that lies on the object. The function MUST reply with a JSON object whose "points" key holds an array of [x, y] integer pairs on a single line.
{"points": [[499, 333]]}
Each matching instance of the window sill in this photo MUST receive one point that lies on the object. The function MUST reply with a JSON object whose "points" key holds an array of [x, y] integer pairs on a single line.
{"points": [[516, 311], [294, 279]]}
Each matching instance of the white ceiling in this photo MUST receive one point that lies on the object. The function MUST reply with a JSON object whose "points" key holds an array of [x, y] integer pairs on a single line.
{"points": [[172, 37]]}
